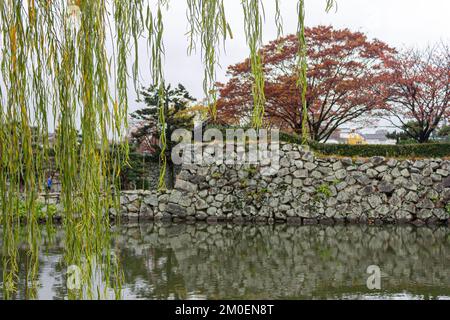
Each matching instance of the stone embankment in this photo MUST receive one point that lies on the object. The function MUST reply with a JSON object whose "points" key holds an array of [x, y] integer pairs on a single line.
{"points": [[305, 190]]}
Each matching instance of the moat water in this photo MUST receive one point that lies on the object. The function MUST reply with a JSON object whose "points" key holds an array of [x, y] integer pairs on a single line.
{"points": [[203, 261]]}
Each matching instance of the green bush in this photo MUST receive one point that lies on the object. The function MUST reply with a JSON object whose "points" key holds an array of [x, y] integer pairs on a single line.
{"points": [[43, 210], [427, 150], [284, 137], [290, 138], [135, 174]]}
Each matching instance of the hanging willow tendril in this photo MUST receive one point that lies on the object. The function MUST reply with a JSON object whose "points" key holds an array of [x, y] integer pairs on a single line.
{"points": [[254, 17], [55, 68], [278, 18], [302, 67], [330, 4], [155, 28], [57, 72], [208, 21], [303, 63], [16, 158]]}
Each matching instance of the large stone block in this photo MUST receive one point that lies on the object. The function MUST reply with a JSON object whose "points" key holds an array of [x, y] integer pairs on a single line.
{"points": [[185, 185], [176, 210]]}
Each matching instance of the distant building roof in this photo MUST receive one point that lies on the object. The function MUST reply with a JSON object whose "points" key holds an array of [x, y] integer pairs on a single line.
{"points": [[353, 137], [379, 135]]}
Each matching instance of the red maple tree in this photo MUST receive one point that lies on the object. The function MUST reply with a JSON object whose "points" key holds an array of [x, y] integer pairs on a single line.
{"points": [[346, 74], [419, 91]]}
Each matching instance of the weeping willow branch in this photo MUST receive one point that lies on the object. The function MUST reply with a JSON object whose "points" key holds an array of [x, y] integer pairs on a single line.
{"points": [[155, 27], [208, 22], [330, 4], [55, 68], [278, 19], [302, 67], [302, 81], [254, 17], [57, 72]]}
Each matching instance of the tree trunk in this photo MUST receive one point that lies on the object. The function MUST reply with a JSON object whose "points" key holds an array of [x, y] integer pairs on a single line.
{"points": [[424, 137], [170, 174]]}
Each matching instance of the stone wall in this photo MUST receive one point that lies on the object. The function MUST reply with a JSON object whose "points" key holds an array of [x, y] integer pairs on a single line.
{"points": [[147, 171], [306, 190]]}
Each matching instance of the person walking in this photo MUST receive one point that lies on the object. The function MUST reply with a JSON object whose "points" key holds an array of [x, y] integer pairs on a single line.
{"points": [[49, 184]]}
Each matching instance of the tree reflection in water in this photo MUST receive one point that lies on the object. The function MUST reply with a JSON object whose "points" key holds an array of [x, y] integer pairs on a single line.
{"points": [[263, 262]]}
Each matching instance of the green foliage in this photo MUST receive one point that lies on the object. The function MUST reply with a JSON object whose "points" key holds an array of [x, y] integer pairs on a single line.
{"points": [[134, 175], [290, 138], [447, 208], [251, 170], [434, 198], [409, 133], [336, 181], [258, 195], [411, 150], [43, 211], [244, 183], [264, 190], [216, 175], [324, 190], [444, 133], [325, 254]]}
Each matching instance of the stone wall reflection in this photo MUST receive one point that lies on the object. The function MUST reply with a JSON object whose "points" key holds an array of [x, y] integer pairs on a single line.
{"points": [[282, 261], [261, 261]]}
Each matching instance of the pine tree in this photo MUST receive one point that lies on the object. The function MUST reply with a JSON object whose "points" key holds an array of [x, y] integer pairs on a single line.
{"points": [[176, 102]]}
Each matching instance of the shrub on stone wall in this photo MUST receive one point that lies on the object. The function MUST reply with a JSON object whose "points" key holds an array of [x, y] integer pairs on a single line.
{"points": [[139, 173], [427, 150]]}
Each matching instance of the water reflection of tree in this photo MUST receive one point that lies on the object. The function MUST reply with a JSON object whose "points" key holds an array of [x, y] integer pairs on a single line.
{"points": [[22, 273], [50, 250], [258, 262], [159, 269]]}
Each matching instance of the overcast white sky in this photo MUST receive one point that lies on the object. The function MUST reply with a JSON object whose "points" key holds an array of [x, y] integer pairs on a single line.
{"points": [[400, 23]]}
